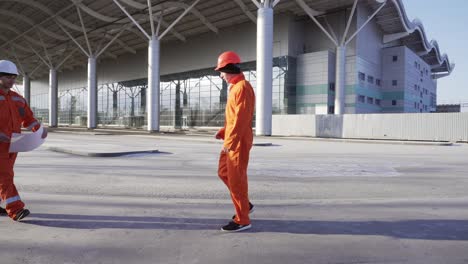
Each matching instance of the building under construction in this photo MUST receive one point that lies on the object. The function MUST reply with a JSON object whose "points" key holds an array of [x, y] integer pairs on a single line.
{"points": [[149, 64]]}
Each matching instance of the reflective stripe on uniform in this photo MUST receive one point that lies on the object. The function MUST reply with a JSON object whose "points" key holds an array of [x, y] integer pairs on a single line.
{"points": [[17, 98], [12, 199], [2, 98]]}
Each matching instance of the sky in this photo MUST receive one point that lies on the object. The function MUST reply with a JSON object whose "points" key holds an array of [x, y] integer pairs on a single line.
{"points": [[447, 23]]}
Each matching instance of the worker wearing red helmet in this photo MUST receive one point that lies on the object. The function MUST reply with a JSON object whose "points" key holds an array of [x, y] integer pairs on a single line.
{"points": [[238, 137], [14, 113]]}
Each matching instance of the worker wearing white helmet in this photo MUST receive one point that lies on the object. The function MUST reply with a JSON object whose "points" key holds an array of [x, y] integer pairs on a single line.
{"points": [[14, 114], [8, 67]]}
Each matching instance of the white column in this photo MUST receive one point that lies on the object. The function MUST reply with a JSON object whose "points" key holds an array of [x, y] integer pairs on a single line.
{"points": [[153, 85], [27, 88], [340, 80], [53, 97], [92, 93], [264, 71]]}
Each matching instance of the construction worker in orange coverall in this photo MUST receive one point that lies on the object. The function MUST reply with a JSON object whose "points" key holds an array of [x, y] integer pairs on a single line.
{"points": [[14, 113], [238, 137]]}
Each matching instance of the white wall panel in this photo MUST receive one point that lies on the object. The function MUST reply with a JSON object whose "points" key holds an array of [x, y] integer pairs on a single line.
{"points": [[421, 126]]}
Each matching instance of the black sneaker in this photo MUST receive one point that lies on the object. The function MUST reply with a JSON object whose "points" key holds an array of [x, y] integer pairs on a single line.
{"points": [[251, 209], [3, 211], [21, 214], [234, 227]]}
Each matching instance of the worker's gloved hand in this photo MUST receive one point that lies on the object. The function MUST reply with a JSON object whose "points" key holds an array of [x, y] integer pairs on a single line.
{"points": [[220, 134], [44, 130], [4, 138]]}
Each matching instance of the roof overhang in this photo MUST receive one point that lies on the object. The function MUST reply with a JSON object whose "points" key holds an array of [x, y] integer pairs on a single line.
{"points": [[400, 31], [43, 34]]}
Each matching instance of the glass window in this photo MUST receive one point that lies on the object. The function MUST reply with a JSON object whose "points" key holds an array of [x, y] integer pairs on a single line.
{"points": [[361, 76], [361, 98], [394, 58], [394, 82]]}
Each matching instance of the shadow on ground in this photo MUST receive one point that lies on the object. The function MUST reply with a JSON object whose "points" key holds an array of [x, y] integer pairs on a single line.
{"points": [[445, 229]]}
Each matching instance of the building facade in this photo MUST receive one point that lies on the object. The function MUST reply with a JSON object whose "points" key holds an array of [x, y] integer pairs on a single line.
{"points": [[350, 58]]}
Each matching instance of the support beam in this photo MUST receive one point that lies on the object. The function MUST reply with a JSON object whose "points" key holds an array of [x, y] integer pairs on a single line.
{"points": [[92, 93], [366, 22], [150, 10], [84, 30], [153, 85], [178, 19], [312, 13], [133, 20], [53, 98], [246, 10], [27, 88], [264, 71], [257, 4], [350, 19], [340, 80], [275, 3]]}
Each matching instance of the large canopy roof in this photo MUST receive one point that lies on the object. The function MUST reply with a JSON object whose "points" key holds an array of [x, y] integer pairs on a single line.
{"points": [[36, 33]]}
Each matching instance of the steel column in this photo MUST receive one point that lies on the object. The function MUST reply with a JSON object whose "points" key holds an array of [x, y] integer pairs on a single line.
{"points": [[27, 88], [264, 71], [153, 84], [340, 80], [92, 93], [53, 98]]}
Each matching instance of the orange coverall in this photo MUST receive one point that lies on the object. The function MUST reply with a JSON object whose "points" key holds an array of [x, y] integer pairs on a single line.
{"points": [[14, 113], [238, 137]]}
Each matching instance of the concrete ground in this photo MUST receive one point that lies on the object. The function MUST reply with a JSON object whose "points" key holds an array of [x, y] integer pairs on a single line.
{"points": [[316, 202]]}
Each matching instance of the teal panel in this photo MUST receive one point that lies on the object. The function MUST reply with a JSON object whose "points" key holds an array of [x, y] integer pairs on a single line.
{"points": [[311, 89], [368, 92], [309, 104], [368, 106], [350, 89]]}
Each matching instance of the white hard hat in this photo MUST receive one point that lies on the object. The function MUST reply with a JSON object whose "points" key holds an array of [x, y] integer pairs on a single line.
{"points": [[7, 66]]}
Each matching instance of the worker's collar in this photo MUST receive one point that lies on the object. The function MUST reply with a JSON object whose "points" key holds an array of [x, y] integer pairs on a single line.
{"points": [[239, 77]]}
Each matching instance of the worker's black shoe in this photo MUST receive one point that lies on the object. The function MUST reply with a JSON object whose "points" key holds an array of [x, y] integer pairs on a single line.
{"points": [[3, 211], [251, 209], [234, 227], [21, 214]]}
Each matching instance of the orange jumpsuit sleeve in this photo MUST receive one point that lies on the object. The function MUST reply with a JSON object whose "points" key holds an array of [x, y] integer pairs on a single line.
{"points": [[29, 121], [243, 110]]}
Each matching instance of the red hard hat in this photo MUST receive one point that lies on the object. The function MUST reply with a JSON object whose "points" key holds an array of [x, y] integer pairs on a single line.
{"points": [[227, 57]]}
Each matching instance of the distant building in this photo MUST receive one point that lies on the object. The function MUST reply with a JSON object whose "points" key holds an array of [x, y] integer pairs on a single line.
{"points": [[452, 108], [448, 108], [464, 107]]}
